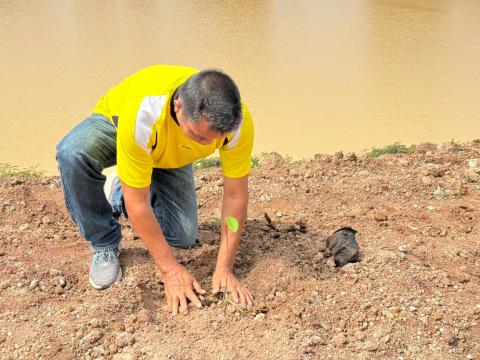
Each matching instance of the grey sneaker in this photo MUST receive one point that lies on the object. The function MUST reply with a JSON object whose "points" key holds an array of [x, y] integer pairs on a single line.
{"points": [[105, 268]]}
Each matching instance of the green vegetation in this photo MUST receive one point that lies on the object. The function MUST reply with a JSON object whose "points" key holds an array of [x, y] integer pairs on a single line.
{"points": [[391, 149], [215, 162], [206, 163], [7, 171], [456, 147]]}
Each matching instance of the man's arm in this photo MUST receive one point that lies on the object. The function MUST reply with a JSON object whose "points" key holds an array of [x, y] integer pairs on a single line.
{"points": [[178, 282], [235, 203]]}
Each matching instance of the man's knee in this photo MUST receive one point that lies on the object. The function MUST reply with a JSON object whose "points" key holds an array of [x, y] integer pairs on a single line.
{"points": [[66, 152], [186, 235]]}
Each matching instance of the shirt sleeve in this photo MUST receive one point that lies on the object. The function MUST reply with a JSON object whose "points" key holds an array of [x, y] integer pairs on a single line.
{"points": [[236, 154], [134, 162]]}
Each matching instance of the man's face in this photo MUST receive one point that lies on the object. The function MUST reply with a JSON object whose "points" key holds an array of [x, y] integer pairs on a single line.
{"points": [[199, 131]]}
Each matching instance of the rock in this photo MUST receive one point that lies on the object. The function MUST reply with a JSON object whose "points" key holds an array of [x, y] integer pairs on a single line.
{"points": [[371, 345], [314, 341], [402, 248], [380, 216], [43, 287], [144, 316], [322, 246], [60, 280], [476, 310], [339, 340], [474, 164], [54, 272], [24, 227], [351, 157], [33, 284], [47, 221], [471, 175], [93, 336], [339, 155], [297, 309], [343, 246], [319, 256], [427, 180], [449, 337], [437, 315], [266, 197], [330, 262], [439, 194], [259, 316], [124, 339]]}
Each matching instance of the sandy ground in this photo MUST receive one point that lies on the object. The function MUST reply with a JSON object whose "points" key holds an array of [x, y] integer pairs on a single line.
{"points": [[414, 294]]}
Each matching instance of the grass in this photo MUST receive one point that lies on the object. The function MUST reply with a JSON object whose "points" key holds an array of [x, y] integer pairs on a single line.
{"points": [[8, 171], [215, 162], [391, 149], [456, 147]]}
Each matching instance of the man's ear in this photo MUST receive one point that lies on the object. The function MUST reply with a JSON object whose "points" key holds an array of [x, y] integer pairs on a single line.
{"points": [[177, 105]]}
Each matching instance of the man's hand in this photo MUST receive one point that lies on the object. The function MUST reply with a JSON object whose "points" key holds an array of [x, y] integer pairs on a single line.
{"points": [[179, 285], [240, 294]]}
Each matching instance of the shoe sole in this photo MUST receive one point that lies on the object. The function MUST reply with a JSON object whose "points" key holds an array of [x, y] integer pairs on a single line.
{"points": [[100, 287]]}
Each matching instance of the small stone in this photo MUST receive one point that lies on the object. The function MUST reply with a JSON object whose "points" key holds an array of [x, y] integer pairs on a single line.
{"points": [[402, 248], [314, 341], [3, 338], [439, 194], [472, 176], [380, 216], [297, 309], [60, 280], [427, 180], [371, 346], [437, 315], [412, 308], [319, 256], [95, 323], [330, 262], [322, 246], [54, 272], [43, 287], [33, 284], [351, 156], [476, 310], [259, 316], [474, 163], [144, 316], [449, 337], [279, 214], [58, 290], [339, 155], [46, 220], [24, 227], [339, 340]]}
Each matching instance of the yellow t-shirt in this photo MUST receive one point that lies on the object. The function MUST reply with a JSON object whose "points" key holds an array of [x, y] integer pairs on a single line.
{"points": [[148, 137]]}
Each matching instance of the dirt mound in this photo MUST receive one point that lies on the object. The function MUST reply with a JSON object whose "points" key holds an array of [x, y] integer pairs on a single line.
{"points": [[414, 293]]}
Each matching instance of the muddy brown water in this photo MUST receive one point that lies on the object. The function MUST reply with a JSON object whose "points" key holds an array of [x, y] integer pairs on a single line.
{"points": [[317, 76]]}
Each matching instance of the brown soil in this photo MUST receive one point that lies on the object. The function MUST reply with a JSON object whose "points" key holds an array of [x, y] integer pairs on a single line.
{"points": [[414, 294]]}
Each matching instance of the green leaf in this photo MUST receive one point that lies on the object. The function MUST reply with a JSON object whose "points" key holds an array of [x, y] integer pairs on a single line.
{"points": [[232, 223]]}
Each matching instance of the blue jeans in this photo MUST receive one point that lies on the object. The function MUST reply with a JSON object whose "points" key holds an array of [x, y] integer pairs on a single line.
{"points": [[83, 154]]}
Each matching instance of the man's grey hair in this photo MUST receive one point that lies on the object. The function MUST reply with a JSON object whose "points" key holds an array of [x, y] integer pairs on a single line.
{"points": [[214, 95]]}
